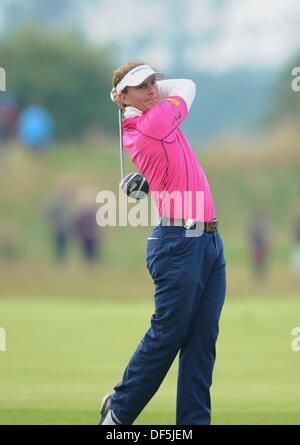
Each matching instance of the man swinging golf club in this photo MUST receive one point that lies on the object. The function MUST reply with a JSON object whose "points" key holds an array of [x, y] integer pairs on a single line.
{"points": [[188, 271]]}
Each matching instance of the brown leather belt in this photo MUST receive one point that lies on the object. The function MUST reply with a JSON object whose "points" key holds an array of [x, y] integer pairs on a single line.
{"points": [[208, 226]]}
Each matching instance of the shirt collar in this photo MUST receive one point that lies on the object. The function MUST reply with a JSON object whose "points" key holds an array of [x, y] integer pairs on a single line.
{"points": [[132, 111]]}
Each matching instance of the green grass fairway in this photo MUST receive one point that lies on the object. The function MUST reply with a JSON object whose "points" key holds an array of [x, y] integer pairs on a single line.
{"points": [[63, 355]]}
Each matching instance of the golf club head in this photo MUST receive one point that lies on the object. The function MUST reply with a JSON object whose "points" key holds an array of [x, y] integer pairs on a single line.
{"points": [[135, 185]]}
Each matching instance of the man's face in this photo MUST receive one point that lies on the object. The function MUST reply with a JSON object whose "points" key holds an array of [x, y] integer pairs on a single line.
{"points": [[143, 96]]}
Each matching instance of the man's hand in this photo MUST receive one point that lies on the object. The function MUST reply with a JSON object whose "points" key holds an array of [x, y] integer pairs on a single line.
{"points": [[117, 98]]}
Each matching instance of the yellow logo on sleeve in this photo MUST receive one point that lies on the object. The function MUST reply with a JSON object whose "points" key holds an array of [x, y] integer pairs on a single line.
{"points": [[175, 101]]}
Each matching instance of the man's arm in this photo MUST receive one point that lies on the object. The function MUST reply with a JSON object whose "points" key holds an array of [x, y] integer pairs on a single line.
{"points": [[166, 115], [184, 88]]}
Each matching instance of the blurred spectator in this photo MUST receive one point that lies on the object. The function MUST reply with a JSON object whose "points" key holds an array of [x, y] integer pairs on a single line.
{"points": [[36, 126], [59, 212], [9, 243], [295, 259], [8, 120], [259, 238], [85, 223]]}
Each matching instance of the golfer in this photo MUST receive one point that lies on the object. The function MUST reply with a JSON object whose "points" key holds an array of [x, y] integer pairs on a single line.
{"points": [[186, 264]]}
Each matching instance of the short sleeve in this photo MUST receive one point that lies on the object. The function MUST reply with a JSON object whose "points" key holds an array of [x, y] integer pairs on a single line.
{"points": [[163, 118]]}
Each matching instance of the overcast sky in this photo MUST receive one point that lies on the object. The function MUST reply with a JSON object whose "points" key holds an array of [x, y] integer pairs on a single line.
{"points": [[220, 34], [211, 35]]}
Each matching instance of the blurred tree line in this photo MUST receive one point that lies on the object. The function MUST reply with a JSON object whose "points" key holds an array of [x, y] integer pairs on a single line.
{"points": [[68, 75]]}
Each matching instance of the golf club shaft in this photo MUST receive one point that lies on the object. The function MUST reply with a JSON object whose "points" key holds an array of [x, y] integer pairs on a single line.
{"points": [[121, 144]]}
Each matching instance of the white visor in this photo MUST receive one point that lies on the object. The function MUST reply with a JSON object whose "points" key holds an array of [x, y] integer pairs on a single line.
{"points": [[137, 76]]}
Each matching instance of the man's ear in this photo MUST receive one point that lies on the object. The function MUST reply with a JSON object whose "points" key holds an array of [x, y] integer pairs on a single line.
{"points": [[124, 99]]}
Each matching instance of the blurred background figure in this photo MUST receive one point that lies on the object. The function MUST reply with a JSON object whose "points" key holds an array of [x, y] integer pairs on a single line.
{"points": [[36, 126], [9, 243], [60, 216], [295, 257], [259, 243], [8, 120], [87, 230]]}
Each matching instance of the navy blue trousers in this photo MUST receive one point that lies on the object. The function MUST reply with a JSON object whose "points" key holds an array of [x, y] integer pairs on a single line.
{"points": [[190, 286]]}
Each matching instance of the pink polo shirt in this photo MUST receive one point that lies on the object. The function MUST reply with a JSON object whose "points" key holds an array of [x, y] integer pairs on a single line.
{"points": [[162, 154]]}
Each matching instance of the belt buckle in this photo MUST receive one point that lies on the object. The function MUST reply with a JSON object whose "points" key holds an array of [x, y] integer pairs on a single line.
{"points": [[189, 223]]}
